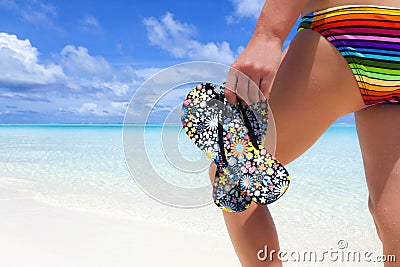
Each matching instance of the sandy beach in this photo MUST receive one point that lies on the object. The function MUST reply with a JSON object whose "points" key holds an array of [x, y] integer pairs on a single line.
{"points": [[34, 233], [67, 199]]}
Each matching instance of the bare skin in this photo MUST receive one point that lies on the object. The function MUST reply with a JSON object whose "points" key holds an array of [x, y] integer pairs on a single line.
{"points": [[378, 132], [322, 4], [321, 88]]}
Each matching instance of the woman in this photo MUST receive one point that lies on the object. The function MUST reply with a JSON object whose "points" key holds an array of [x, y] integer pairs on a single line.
{"points": [[320, 79]]}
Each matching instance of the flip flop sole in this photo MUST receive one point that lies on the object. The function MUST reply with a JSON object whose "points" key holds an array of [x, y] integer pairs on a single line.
{"points": [[246, 170]]}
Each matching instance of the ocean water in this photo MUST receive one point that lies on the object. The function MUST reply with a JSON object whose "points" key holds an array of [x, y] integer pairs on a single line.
{"points": [[83, 167]]}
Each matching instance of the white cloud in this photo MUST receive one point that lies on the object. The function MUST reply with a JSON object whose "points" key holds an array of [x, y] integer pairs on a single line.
{"points": [[166, 90], [33, 11], [246, 9], [73, 72], [78, 62], [176, 38], [19, 65], [9, 4], [38, 12], [94, 74], [113, 109], [90, 23], [169, 34], [240, 49], [29, 96], [99, 90], [147, 72], [118, 88]]}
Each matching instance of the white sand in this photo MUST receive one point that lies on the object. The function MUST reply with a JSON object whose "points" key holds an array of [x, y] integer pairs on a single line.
{"points": [[34, 233], [72, 231]]}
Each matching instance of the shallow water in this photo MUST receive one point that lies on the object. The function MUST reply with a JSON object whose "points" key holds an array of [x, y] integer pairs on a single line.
{"points": [[83, 167]]}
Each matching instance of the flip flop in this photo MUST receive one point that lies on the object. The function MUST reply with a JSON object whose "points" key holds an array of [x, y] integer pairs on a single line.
{"points": [[232, 136], [205, 110]]}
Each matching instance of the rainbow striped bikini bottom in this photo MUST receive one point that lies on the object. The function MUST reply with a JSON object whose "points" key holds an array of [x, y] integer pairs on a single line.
{"points": [[368, 37]]}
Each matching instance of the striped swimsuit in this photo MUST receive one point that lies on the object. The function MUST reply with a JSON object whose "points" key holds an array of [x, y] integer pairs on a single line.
{"points": [[368, 37]]}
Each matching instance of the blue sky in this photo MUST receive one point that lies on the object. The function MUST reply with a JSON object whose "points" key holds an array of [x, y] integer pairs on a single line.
{"points": [[82, 61]]}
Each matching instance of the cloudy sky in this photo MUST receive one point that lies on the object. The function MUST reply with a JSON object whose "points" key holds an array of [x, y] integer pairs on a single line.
{"points": [[82, 61]]}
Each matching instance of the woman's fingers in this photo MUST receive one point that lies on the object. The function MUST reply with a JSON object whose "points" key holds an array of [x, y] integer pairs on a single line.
{"points": [[254, 70], [242, 91], [239, 86], [254, 90], [230, 86], [266, 84]]}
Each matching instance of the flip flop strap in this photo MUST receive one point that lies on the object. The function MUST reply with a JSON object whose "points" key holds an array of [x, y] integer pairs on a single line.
{"points": [[220, 98], [250, 129]]}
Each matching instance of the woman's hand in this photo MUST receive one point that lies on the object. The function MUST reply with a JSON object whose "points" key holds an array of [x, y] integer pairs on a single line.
{"points": [[251, 75]]}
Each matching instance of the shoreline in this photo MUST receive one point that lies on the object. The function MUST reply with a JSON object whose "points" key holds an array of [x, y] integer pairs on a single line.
{"points": [[67, 235], [66, 193]]}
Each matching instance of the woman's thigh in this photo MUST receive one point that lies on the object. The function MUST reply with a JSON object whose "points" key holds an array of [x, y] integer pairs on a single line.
{"points": [[314, 86], [378, 131]]}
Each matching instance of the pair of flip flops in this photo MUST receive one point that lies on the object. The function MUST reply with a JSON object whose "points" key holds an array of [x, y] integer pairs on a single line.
{"points": [[233, 137]]}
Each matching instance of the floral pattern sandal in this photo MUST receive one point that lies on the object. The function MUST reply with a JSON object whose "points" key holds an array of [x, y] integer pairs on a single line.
{"points": [[232, 136]]}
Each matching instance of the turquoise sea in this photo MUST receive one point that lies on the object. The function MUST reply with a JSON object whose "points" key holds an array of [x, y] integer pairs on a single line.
{"points": [[83, 167]]}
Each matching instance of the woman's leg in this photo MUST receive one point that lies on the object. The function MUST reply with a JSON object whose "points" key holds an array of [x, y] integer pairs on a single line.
{"points": [[379, 134], [313, 87]]}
